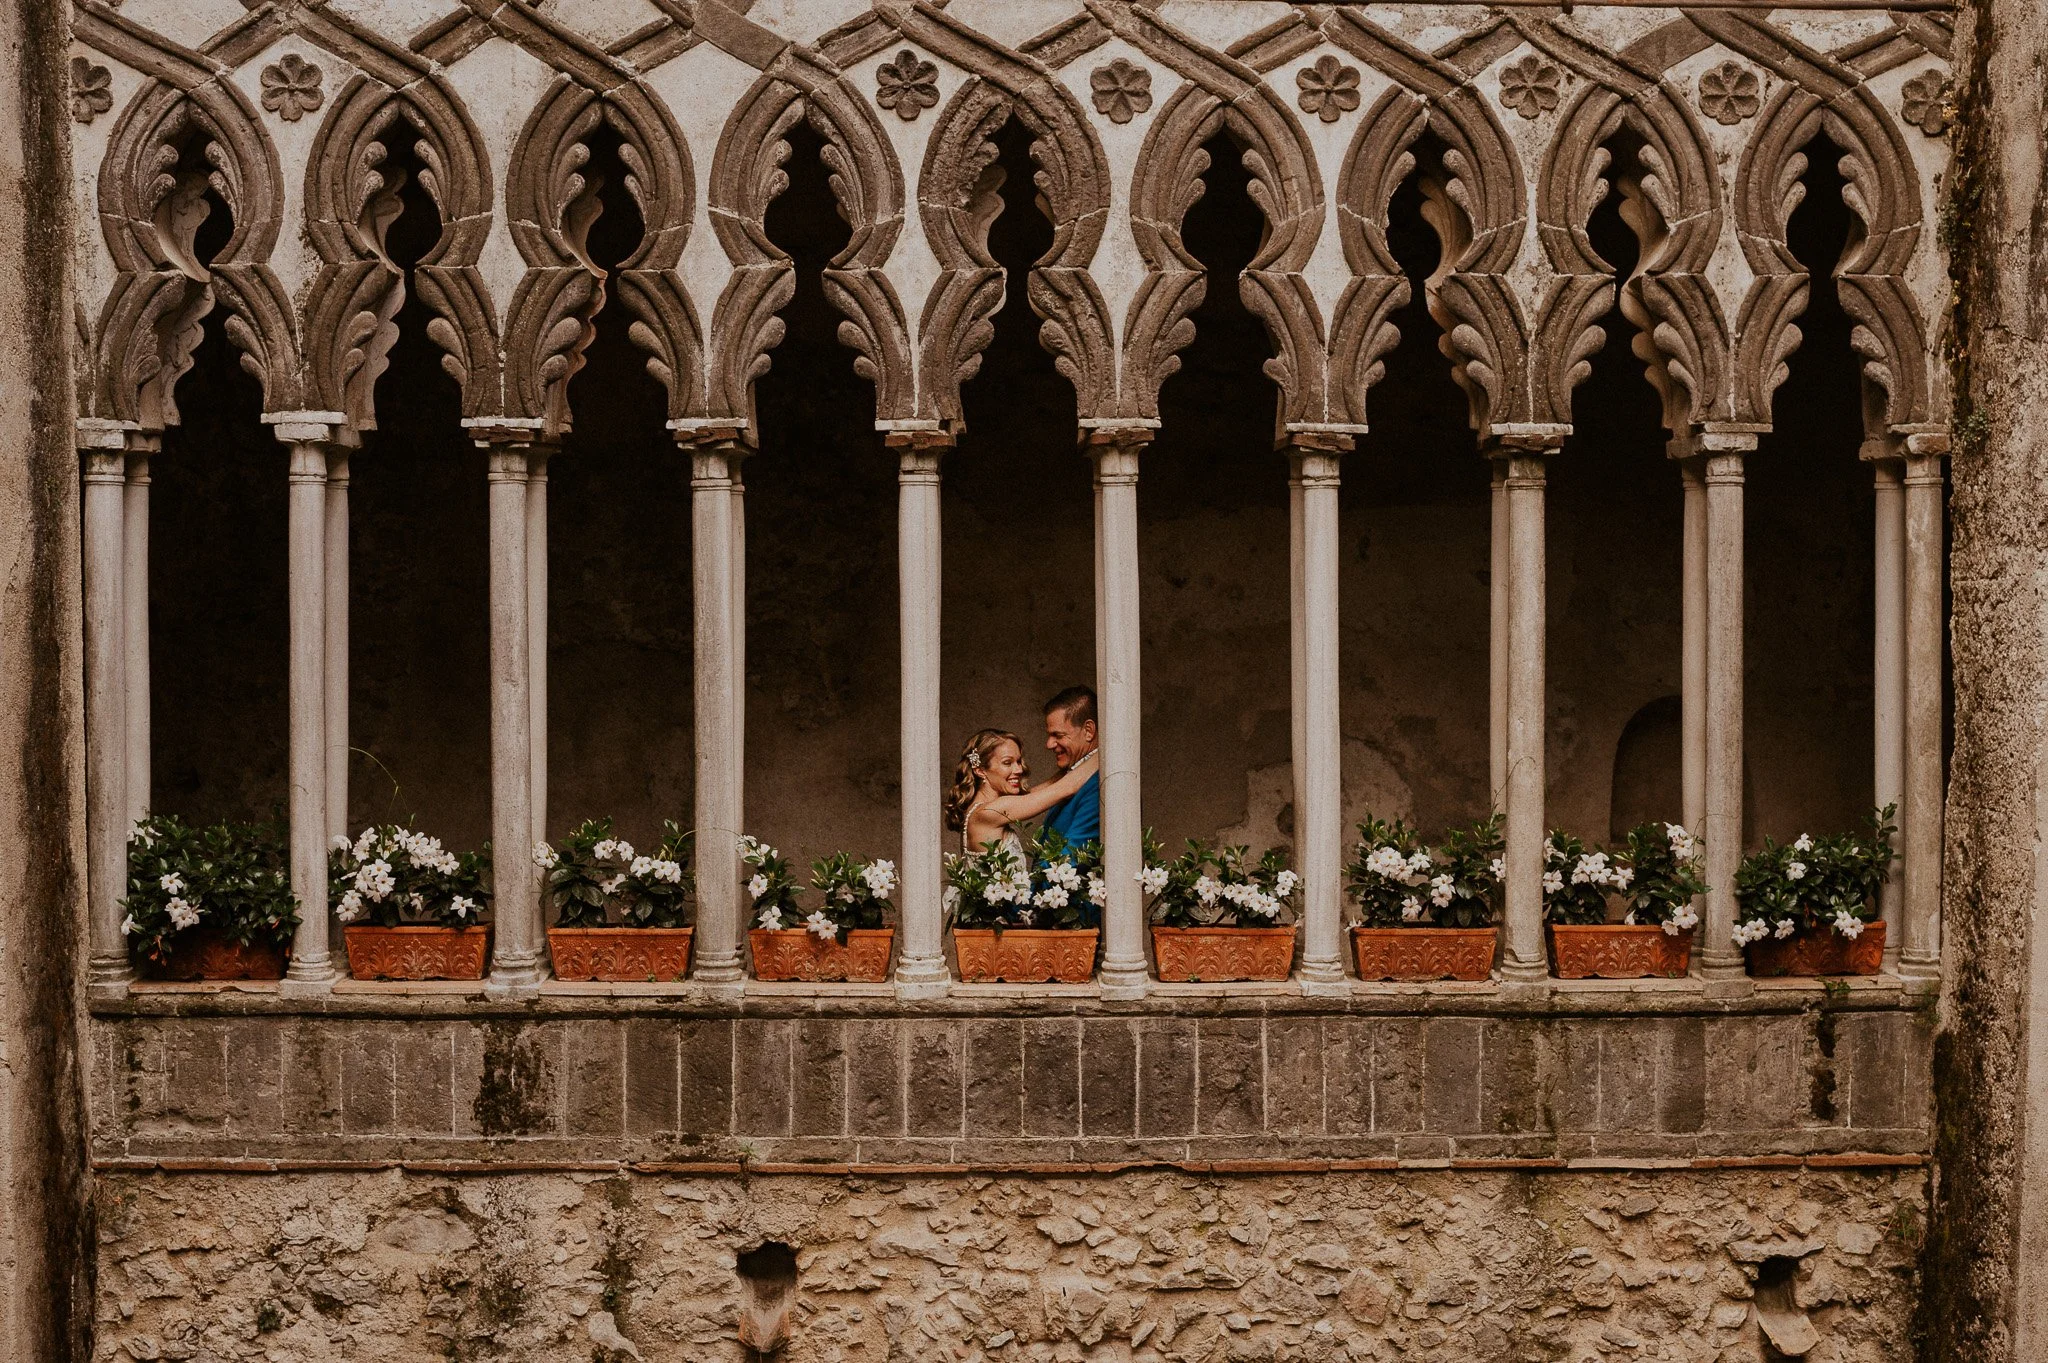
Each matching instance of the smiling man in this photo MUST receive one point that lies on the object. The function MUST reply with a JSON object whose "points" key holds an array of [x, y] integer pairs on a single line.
{"points": [[1070, 736]]}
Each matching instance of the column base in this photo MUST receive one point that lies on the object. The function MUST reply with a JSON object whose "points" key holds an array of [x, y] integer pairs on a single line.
{"points": [[1120, 980], [108, 981], [514, 982], [1919, 974], [1524, 980], [314, 982], [1726, 980], [731, 990], [923, 977], [1323, 979]]}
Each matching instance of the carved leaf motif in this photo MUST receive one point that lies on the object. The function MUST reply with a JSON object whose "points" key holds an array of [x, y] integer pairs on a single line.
{"points": [[1122, 90], [1530, 86], [908, 85], [91, 90], [1329, 89], [1730, 93], [291, 87], [1926, 102]]}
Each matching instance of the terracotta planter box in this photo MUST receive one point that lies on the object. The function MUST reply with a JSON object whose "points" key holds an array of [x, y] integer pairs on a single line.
{"points": [[1419, 954], [1618, 951], [208, 954], [1211, 955], [796, 954], [1825, 952], [417, 953], [1026, 955], [620, 954]]}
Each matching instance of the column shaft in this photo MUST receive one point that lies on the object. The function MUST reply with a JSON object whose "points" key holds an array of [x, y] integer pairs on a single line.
{"points": [[1692, 720], [1319, 807], [515, 881], [1523, 958], [1497, 638], [1297, 661], [306, 512], [1921, 817], [921, 962], [105, 715], [712, 555], [1888, 678], [1722, 824], [1125, 974], [738, 499], [135, 636], [537, 638], [337, 693]]}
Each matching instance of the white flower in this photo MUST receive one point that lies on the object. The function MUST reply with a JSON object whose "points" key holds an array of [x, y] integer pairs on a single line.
{"points": [[771, 919], [879, 877], [613, 885], [1442, 890], [1499, 867], [951, 899], [821, 927], [1591, 869], [1064, 875], [462, 907], [604, 850], [1418, 868], [670, 872], [1411, 909], [339, 842], [1052, 897], [350, 908], [1098, 890], [183, 915], [366, 843], [999, 892], [1753, 931], [1786, 927], [1153, 879], [1621, 877], [1553, 882], [758, 886], [1802, 843], [1552, 852], [1796, 871], [1026, 917], [129, 925], [1285, 884], [545, 857], [752, 847], [1207, 888], [1848, 924], [172, 883], [375, 881]]}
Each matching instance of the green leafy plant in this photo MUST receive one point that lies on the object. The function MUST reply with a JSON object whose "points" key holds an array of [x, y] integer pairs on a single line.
{"points": [[1071, 890], [1219, 887], [392, 875], [1814, 883], [1399, 881], [230, 877], [855, 893], [772, 887], [1576, 880], [596, 879], [988, 889], [1667, 869], [1471, 857]]}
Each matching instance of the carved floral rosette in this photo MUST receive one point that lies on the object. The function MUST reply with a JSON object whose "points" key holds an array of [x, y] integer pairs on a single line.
{"points": [[1025, 955], [1618, 951], [206, 954], [1419, 954], [795, 954], [1211, 955], [620, 954], [417, 952], [1819, 951]]}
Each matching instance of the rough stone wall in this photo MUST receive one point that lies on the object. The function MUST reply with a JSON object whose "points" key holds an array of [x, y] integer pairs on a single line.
{"points": [[1454, 1267], [1988, 1264], [45, 1225]]}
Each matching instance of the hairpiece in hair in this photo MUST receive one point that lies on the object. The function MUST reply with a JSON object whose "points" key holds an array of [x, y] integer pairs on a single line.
{"points": [[974, 758]]}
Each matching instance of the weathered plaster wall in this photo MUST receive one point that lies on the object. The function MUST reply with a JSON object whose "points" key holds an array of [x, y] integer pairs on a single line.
{"points": [[45, 1220], [822, 754], [1143, 1267]]}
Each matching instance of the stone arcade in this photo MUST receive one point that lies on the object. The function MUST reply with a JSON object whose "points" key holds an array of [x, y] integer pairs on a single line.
{"points": [[1326, 1169]]}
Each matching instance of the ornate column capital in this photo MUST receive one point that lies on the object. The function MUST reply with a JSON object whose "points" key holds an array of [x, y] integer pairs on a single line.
{"points": [[918, 451]]}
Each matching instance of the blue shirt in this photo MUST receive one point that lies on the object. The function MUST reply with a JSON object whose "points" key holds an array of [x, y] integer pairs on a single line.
{"points": [[1078, 818]]}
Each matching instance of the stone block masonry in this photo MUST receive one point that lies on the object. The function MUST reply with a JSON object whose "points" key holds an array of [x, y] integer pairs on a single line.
{"points": [[1008, 1082], [1153, 1267]]}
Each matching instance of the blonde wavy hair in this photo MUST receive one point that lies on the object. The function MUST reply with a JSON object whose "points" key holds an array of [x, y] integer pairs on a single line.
{"points": [[967, 773]]}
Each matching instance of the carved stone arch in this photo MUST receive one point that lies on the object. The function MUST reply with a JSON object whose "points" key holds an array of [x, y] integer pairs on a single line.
{"points": [[357, 293], [746, 177], [1882, 192], [551, 205], [1673, 205]]}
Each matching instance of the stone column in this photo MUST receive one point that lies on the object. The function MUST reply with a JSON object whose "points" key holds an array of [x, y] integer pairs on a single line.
{"points": [[1721, 961], [1524, 964], [1497, 636], [1319, 777], [1888, 670], [102, 445], [736, 459], [337, 686], [715, 710], [135, 635], [921, 958], [515, 881], [537, 636], [1921, 816], [308, 436], [1692, 715], [1115, 451], [1297, 660]]}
